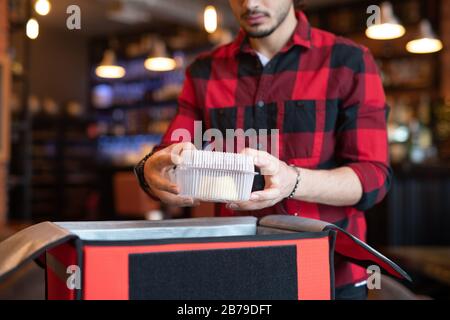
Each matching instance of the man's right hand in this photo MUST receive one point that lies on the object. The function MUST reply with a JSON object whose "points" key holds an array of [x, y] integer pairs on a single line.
{"points": [[156, 172]]}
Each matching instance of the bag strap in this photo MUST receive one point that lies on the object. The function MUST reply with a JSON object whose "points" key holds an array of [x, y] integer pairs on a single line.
{"points": [[347, 245]]}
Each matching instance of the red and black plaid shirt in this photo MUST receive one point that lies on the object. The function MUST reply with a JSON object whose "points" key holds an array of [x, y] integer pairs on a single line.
{"points": [[322, 92]]}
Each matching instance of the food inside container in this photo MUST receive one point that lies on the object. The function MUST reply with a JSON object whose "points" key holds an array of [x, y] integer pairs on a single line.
{"points": [[215, 176]]}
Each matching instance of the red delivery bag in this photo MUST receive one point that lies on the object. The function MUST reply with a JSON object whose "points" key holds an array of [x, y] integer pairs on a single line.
{"points": [[277, 257]]}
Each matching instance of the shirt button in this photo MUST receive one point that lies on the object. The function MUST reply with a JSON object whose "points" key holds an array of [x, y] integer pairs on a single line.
{"points": [[296, 214], [260, 104]]}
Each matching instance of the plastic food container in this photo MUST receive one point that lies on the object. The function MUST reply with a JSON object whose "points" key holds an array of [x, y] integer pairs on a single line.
{"points": [[215, 176]]}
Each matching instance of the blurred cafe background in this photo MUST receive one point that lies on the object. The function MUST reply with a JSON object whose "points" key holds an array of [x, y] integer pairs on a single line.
{"points": [[81, 106]]}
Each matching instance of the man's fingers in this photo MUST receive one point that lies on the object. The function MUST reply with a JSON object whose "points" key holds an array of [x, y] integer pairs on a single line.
{"points": [[157, 182], [171, 155], [175, 200], [162, 160], [181, 201], [179, 147], [268, 164], [267, 194], [176, 149], [250, 205], [184, 202], [250, 152]]}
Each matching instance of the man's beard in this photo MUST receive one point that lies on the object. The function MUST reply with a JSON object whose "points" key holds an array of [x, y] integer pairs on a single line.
{"points": [[280, 17]]}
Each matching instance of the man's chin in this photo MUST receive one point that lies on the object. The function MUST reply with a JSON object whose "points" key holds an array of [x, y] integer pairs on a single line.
{"points": [[259, 32]]}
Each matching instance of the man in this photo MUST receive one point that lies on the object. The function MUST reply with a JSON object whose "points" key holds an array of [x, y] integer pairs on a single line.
{"points": [[322, 93]]}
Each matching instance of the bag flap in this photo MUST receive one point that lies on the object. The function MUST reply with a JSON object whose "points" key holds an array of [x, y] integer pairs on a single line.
{"points": [[28, 244], [346, 244]]}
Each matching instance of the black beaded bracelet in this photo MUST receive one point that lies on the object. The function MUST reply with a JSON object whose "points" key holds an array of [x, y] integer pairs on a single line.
{"points": [[296, 183], [139, 172]]}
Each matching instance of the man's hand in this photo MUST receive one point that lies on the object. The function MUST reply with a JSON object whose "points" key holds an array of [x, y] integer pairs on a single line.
{"points": [[279, 180], [156, 172]]}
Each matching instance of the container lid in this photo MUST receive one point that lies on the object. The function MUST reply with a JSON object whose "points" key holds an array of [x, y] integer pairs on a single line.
{"points": [[214, 160]]}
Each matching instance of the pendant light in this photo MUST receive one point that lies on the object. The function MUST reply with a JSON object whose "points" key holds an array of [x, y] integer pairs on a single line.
{"points": [[210, 19], [387, 27], [159, 60], [32, 29], [108, 68], [427, 41], [42, 7]]}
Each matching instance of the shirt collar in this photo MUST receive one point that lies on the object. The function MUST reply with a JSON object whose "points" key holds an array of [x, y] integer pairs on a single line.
{"points": [[301, 36]]}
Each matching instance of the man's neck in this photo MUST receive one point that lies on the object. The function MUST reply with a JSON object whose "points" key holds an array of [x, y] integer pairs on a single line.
{"points": [[272, 44]]}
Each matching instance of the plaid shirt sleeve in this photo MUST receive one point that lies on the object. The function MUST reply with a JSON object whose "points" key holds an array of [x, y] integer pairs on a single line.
{"points": [[362, 141], [181, 128]]}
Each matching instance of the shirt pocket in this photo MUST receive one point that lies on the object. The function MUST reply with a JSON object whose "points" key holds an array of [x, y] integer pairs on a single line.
{"points": [[220, 120], [308, 130], [223, 118]]}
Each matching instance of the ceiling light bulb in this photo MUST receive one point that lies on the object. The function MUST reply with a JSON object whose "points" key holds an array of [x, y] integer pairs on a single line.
{"points": [[32, 29], [385, 31], [388, 26], [108, 68], [42, 7], [159, 59], [424, 45], [427, 41], [160, 64], [210, 19]]}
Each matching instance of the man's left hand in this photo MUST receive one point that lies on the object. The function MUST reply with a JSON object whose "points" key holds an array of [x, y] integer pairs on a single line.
{"points": [[279, 180]]}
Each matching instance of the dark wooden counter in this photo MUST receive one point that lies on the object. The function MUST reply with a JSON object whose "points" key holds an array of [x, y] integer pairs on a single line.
{"points": [[416, 211], [432, 262]]}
